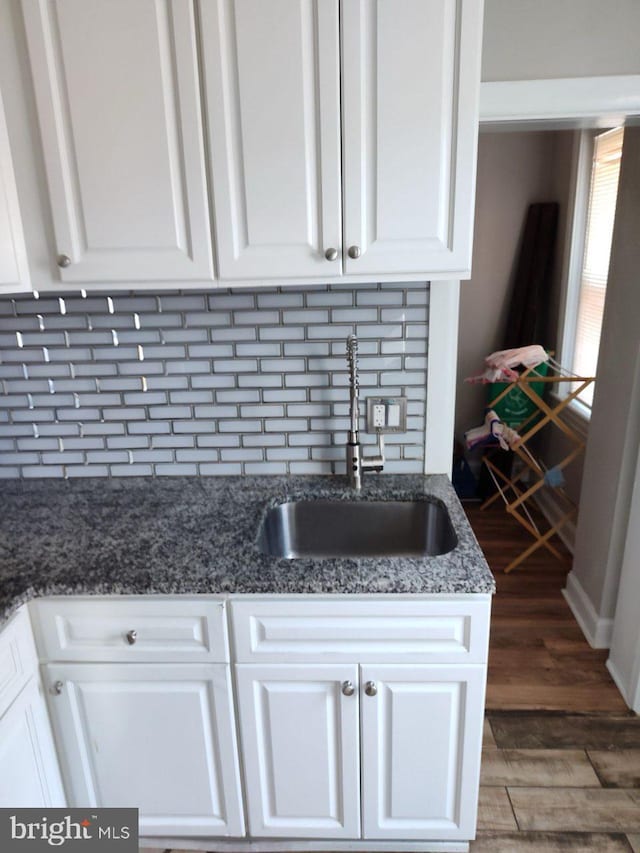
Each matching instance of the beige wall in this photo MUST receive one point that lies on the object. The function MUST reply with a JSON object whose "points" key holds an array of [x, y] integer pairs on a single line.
{"points": [[542, 39], [514, 170], [614, 433]]}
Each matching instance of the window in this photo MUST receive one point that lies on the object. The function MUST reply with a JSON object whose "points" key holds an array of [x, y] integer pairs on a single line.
{"points": [[587, 284]]}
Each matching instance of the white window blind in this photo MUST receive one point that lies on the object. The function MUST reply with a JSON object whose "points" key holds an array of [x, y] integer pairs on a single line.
{"points": [[603, 192]]}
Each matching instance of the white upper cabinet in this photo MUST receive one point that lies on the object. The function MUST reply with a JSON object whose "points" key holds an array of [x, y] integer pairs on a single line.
{"points": [[118, 100], [338, 136], [272, 83], [14, 271], [406, 119], [410, 82]]}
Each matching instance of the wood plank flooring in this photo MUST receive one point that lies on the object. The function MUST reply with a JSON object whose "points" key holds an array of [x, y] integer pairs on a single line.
{"points": [[538, 657], [562, 782]]}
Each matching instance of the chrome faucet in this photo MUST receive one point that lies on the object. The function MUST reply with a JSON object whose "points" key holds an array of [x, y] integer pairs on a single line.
{"points": [[356, 463]]}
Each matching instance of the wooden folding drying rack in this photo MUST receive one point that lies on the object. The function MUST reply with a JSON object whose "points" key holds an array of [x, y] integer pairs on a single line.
{"points": [[521, 491]]}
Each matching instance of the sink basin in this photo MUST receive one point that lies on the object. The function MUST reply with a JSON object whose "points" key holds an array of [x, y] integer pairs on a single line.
{"points": [[357, 529]]}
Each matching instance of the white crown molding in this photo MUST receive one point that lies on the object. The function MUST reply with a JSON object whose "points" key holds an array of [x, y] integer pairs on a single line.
{"points": [[571, 101]]}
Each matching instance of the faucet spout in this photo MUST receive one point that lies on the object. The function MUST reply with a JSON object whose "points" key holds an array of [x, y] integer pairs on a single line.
{"points": [[354, 387], [356, 463]]}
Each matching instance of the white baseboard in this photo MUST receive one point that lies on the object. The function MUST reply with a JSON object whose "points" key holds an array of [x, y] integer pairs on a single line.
{"points": [[553, 512], [622, 687], [597, 630]]}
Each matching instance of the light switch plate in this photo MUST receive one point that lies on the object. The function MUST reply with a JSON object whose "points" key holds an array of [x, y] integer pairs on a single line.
{"points": [[386, 414]]}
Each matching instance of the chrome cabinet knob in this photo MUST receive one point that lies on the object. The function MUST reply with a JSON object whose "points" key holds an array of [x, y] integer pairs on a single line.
{"points": [[331, 254], [56, 688], [63, 261], [347, 688], [354, 252], [132, 636], [370, 688]]}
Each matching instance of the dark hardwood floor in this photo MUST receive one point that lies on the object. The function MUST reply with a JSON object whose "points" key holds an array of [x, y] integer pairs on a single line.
{"points": [[538, 657]]}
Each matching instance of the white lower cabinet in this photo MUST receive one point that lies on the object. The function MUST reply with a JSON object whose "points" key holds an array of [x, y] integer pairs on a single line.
{"points": [[29, 774], [411, 733], [299, 729], [421, 736], [157, 737], [357, 722]]}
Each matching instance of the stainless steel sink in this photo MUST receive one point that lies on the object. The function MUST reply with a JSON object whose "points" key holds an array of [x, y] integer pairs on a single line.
{"points": [[357, 529]]}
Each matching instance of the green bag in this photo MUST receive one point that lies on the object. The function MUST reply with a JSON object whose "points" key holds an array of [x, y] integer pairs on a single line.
{"points": [[515, 407]]}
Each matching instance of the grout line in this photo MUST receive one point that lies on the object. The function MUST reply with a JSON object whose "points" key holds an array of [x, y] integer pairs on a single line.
{"points": [[595, 770], [513, 811]]}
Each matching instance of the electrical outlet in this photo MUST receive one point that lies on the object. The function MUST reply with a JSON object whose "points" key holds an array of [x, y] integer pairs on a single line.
{"points": [[386, 414], [379, 415]]}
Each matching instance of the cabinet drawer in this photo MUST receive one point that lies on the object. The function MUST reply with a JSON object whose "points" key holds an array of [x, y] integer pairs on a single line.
{"points": [[131, 629], [438, 630], [18, 658]]}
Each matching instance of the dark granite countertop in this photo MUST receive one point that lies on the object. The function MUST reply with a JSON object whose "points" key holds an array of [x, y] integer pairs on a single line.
{"points": [[197, 535]]}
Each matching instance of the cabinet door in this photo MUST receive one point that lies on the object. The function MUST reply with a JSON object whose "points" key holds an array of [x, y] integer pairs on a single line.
{"points": [[272, 76], [117, 93], [421, 744], [14, 270], [411, 77], [30, 777], [156, 737], [300, 745]]}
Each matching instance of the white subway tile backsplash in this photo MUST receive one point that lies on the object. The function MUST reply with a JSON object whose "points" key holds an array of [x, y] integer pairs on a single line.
{"points": [[310, 439], [305, 317], [282, 333], [218, 440], [236, 366], [256, 318], [234, 334], [280, 300], [177, 469], [143, 398], [257, 350], [131, 470], [242, 454], [196, 383], [282, 365], [306, 380], [202, 454], [388, 297], [149, 428], [287, 454], [285, 425], [210, 351], [257, 380], [332, 331], [263, 440], [227, 469], [266, 468], [280, 396], [165, 440], [117, 442], [219, 301], [262, 411], [311, 468], [187, 397], [240, 427]]}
